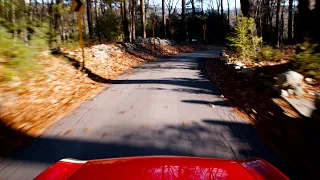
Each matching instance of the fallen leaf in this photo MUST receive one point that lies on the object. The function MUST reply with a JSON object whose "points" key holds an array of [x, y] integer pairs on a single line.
{"points": [[86, 129], [65, 133], [105, 134], [212, 105]]}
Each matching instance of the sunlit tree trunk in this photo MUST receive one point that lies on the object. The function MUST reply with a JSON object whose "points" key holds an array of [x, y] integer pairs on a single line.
{"points": [[143, 19], [97, 20], [58, 22]]}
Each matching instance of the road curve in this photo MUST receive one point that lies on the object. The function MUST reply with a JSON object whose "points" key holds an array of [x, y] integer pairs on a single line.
{"points": [[166, 107]]}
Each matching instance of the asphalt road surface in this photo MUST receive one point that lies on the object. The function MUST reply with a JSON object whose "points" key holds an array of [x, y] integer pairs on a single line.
{"points": [[162, 108]]}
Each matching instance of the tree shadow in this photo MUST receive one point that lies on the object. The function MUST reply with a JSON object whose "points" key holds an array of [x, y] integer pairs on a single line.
{"points": [[217, 103], [209, 138], [76, 64]]}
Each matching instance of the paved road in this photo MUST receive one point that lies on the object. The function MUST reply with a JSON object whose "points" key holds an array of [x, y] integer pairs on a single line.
{"points": [[161, 108]]}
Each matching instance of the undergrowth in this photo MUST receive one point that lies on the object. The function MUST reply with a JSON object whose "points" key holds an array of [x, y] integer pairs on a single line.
{"points": [[18, 61], [307, 61]]}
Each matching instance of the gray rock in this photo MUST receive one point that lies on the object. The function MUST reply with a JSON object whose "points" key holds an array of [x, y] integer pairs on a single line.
{"points": [[304, 106], [309, 81], [291, 92], [239, 64], [290, 79], [55, 50], [139, 40], [298, 91], [284, 93]]}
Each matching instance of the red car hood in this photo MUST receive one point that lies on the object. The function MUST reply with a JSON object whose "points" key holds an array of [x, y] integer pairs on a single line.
{"points": [[161, 167]]}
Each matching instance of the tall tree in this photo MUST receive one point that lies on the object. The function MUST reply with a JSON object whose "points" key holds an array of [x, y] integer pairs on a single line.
{"points": [[97, 20], [126, 20], [235, 9], [290, 22], [218, 5], [184, 24], [302, 20], [277, 23], [282, 26], [133, 18], [247, 8], [228, 12], [164, 19], [89, 18], [221, 4], [193, 9], [143, 19], [58, 21]]}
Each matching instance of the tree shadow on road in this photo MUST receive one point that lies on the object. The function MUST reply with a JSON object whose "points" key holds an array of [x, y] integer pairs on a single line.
{"points": [[210, 138]]}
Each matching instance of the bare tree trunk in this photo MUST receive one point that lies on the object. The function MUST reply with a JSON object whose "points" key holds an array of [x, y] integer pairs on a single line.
{"points": [[183, 14], [133, 18], [30, 10], [235, 9], [58, 22], [122, 15], [228, 12], [89, 18], [126, 20], [13, 15], [164, 19], [23, 20], [143, 19], [42, 10], [277, 23], [193, 9], [290, 22], [97, 20], [84, 27], [36, 8], [282, 27], [221, 4], [218, 5]]}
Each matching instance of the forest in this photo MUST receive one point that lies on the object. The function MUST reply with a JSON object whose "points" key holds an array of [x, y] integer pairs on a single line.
{"points": [[278, 22]]}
